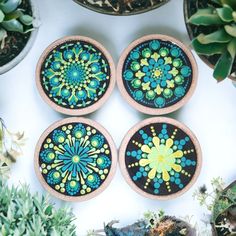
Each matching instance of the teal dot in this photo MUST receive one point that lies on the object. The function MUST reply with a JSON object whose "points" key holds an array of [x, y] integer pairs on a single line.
{"points": [[139, 174], [139, 95], [186, 71], [177, 181], [157, 185], [179, 91], [155, 45], [129, 75], [159, 102], [175, 52]]}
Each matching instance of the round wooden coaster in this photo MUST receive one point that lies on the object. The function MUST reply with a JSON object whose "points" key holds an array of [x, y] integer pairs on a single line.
{"points": [[160, 158], [75, 75], [75, 159], [157, 74]]}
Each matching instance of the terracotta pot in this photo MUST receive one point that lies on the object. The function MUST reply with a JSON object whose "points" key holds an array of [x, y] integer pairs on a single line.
{"points": [[8, 66]]}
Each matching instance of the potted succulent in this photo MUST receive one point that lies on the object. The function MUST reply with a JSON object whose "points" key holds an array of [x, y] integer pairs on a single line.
{"points": [[121, 7], [211, 25], [151, 225], [221, 202], [18, 30]]}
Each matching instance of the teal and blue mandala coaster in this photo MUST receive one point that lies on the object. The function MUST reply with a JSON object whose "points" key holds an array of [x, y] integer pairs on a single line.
{"points": [[157, 74], [160, 158], [75, 75], [75, 159]]}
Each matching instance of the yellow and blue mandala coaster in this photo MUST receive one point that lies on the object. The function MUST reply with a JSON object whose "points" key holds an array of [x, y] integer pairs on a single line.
{"points": [[75, 159], [75, 75], [160, 158], [157, 74]]}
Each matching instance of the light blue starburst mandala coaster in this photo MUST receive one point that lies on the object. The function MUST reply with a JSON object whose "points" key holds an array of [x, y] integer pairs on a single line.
{"points": [[75, 75], [75, 159]]}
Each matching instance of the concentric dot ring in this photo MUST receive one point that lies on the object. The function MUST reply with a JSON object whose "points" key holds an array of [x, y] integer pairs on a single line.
{"points": [[101, 82], [131, 162], [127, 89], [64, 154]]}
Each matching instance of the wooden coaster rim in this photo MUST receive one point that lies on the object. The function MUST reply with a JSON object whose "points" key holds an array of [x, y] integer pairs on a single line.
{"points": [[114, 159], [145, 109], [130, 134], [98, 104]]}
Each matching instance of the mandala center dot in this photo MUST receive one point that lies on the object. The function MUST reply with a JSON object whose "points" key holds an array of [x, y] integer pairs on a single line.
{"points": [[75, 74], [76, 159], [157, 73], [160, 158]]}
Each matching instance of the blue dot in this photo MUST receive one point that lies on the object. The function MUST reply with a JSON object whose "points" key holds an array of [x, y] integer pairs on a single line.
{"points": [[164, 126], [164, 131], [145, 174], [188, 162], [172, 179], [156, 191], [181, 186], [180, 147], [166, 136], [128, 153], [145, 69], [135, 178], [182, 142], [157, 185], [139, 174], [177, 175], [187, 139], [141, 169], [144, 136], [177, 181], [134, 153], [160, 181], [183, 164], [194, 163]]}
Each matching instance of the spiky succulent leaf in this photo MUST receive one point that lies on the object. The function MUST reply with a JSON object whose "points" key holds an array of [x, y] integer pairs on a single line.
{"points": [[219, 36], [225, 63], [222, 21], [205, 17], [225, 13], [208, 49]]}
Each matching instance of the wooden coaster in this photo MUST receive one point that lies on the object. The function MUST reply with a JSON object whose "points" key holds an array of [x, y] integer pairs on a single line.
{"points": [[75, 159], [160, 158], [157, 74], [75, 75]]}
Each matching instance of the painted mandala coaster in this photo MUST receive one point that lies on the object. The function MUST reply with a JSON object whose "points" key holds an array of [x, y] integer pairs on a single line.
{"points": [[75, 75], [157, 74], [75, 159], [160, 158]]}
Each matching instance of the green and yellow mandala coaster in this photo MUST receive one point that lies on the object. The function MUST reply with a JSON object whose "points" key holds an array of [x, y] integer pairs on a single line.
{"points": [[75, 75], [160, 158], [75, 159], [157, 74]]}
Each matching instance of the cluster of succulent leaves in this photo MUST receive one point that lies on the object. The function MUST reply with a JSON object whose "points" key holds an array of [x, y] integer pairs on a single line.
{"points": [[22, 213], [220, 16], [153, 224], [221, 202], [13, 19]]}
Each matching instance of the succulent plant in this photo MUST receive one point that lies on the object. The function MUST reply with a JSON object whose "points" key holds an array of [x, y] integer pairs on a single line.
{"points": [[13, 19], [220, 18], [23, 213]]}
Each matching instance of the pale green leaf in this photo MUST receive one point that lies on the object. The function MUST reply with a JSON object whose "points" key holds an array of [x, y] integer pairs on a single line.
{"points": [[219, 36], [26, 19], [10, 5], [231, 30], [2, 16], [225, 13], [13, 25]]}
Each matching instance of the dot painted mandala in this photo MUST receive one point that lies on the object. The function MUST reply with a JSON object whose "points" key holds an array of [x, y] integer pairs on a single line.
{"points": [[161, 159], [75, 159], [75, 74], [157, 73]]}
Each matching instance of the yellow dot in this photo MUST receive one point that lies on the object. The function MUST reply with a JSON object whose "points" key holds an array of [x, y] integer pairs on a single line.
{"points": [[62, 190], [48, 140], [88, 190], [45, 145], [106, 171], [57, 187], [103, 177], [45, 171], [94, 131], [70, 126], [105, 146], [107, 152]]}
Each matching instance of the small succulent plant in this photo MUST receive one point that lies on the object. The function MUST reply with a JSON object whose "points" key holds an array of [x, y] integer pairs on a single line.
{"points": [[13, 19], [220, 18]]}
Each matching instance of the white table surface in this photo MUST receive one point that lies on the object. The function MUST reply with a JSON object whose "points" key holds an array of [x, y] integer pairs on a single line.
{"points": [[211, 113]]}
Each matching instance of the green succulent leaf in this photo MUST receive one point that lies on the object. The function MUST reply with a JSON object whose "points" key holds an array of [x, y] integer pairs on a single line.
{"points": [[224, 65], [231, 30], [219, 36], [205, 17], [231, 3], [10, 5], [217, 2], [208, 49], [2, 16], [13, 25], [225, 13], [26, 19], [13, 15]]}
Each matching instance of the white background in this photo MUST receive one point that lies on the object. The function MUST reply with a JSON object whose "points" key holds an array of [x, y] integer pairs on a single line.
{"points": [[211, 113]]}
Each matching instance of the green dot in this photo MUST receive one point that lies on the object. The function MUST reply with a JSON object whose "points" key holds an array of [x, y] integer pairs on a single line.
{"points": [[137, 83], [73, 184], [100, 161], [56, 175], [61, 139]]}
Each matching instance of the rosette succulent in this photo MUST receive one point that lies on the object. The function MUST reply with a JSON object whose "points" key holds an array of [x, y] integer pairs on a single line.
{"points": [[13, 19], [220, 41]]}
